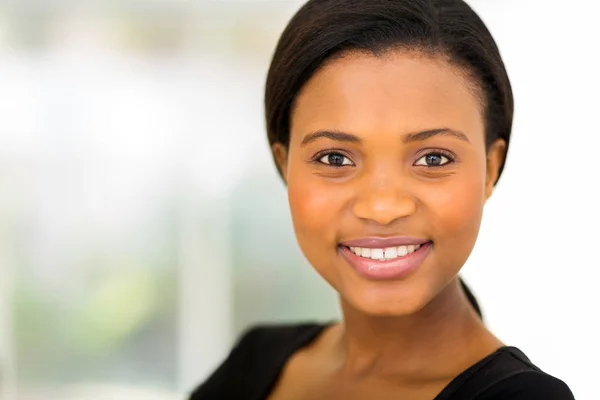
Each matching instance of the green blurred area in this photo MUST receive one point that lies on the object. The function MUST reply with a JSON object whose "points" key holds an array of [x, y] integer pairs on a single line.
{"points": [[112, 318], [95, 301]]}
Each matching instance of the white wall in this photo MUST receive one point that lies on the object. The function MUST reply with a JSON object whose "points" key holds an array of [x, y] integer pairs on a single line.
{"points": [[535, 268]]}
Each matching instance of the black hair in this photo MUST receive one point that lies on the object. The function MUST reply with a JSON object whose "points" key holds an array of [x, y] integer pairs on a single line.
{"points": [[471, 298], [324, 29]]}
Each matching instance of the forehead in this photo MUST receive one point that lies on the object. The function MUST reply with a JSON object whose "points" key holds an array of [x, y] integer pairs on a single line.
{"points": [[397, 92]]}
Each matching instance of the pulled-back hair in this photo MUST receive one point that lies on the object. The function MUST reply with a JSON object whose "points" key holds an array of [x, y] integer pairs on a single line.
{"points": [[324, 29]]}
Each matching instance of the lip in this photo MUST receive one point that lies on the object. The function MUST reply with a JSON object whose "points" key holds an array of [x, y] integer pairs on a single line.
{"points": [[395, 269], [382, 243]]}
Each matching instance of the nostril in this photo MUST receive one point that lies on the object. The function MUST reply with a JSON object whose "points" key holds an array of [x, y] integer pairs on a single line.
{"points": [[384, 209]]}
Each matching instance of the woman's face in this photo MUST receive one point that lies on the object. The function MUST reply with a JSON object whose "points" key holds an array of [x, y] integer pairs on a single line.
{"points": [[387, 175]]}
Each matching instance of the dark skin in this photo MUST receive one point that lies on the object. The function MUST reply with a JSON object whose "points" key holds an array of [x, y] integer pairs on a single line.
{"points": [[407, 158]]}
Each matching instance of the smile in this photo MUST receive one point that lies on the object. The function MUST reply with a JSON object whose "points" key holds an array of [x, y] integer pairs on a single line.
{"points": [[385, 254], [385, 258]]}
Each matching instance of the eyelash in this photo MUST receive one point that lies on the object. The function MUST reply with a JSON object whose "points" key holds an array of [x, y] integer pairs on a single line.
{"points": [[438, 152], [317, 158]]}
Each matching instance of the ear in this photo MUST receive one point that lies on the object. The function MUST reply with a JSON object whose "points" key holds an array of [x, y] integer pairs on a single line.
{"points": [[495, 157], [280, 153]]}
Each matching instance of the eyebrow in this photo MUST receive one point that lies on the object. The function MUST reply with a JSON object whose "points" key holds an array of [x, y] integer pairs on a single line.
{"points": [[333, 135], [424, 135], [411, 137]]}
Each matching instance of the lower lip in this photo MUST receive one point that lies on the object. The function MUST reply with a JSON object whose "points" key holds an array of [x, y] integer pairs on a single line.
{"points": [[396, 268]]}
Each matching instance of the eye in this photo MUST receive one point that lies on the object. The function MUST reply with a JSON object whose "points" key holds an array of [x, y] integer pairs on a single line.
{"points": [[335, 160], [433, 160]]}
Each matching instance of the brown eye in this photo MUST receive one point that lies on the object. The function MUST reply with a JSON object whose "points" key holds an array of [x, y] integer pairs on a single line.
{"points": [[335, 160], [433, 160]]}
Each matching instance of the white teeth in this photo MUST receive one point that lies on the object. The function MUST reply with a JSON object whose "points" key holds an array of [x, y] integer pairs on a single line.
{"points": [[402, 251], [376, 254], [391, 252]]}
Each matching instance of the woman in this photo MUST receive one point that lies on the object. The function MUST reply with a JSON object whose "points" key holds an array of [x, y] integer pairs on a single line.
{"points": [[389, 121]]}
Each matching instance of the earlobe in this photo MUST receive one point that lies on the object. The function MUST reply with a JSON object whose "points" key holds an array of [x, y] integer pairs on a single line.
{"points": [[495, 158], [280, 154]]}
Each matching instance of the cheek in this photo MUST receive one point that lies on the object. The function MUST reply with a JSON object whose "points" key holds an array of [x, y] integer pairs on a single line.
{"points": [[314, 209], [457, 210], [461, 207]]}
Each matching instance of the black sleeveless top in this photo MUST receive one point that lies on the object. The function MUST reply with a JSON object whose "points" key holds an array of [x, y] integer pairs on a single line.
{"points": [[253, 367]]}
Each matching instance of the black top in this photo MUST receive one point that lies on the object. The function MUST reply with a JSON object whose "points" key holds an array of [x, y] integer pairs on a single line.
{"points": [[253, 367]]}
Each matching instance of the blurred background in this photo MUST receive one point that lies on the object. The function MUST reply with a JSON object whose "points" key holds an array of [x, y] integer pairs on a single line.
{"points": [[143, 226]]}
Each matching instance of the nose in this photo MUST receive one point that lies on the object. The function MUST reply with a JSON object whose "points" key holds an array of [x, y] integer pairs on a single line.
{"points": [[383, 201]]}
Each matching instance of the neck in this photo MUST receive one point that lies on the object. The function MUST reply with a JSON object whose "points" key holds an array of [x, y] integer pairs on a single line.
{"points": [[429, 340]]}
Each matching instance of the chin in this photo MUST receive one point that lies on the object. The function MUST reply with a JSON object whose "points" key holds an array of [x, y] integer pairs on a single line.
{"points": [[387, 299]]}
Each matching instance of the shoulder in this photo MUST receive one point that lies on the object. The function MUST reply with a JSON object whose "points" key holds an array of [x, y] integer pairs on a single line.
{"points": [[528, 385], [514, 376], [277, 337], [267, 346], [256, 359]]}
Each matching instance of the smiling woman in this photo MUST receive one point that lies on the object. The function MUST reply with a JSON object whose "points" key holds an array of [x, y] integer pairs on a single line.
{"points": [[389, 122], [415, 171]]}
